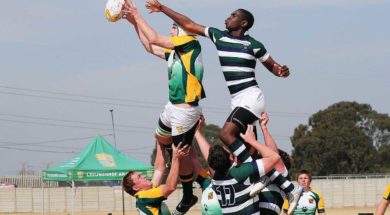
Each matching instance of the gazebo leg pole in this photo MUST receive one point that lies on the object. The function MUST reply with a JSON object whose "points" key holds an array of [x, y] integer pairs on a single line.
{"points": [[43, 197], [73, 196], [123, 202]]}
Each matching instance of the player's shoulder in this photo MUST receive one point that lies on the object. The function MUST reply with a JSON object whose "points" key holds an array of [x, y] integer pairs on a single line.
{"points": [[255, 41], [216, 32], [316, 193], [180, 40], [155, 192]]}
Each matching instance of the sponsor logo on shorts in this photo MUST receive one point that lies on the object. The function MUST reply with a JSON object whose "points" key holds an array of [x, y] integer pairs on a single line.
{"points": [[180, 129]]}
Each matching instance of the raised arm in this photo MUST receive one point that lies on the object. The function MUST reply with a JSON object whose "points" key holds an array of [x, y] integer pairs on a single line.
{"points": [[269, 157], [173, 176], [270, 142], [186, 23], [153, 49], [275, 68], [159, 164], [203, 144], [152, 36]]}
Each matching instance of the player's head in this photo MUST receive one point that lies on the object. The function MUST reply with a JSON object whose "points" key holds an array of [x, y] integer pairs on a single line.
{"points": [[248, 17], [239, 19], [133, 182], [286, 158], [304, 178], [177, 30], [220, 159]]}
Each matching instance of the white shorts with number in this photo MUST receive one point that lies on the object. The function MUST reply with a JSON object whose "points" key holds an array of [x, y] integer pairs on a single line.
{"points": [[180, 119], [251, 99]]}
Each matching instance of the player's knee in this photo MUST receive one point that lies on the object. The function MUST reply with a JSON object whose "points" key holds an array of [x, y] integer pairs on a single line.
{"points": [[163, 139], [226, 136]]}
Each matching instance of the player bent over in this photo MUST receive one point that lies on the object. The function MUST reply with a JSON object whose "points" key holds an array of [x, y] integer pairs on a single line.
{"points": [[149, 196]]}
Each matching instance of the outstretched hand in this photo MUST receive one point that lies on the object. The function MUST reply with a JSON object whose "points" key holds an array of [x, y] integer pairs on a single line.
{"points": [[201, 123], [129, 10], [153, 6], [264, 119], [281, 71], [180, 151], [249, 135], [284, 71]]}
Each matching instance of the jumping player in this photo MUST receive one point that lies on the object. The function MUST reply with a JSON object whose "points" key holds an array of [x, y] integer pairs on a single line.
{"points": [[179, 119]]}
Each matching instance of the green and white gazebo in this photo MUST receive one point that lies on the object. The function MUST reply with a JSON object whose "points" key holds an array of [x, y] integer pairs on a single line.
{"points": [[98, 161]]}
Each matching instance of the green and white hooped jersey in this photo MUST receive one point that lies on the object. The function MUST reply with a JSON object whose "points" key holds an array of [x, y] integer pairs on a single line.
{"points": [[233, 188], [237, 56], [271, 198], [185, 70], [209, 204]]}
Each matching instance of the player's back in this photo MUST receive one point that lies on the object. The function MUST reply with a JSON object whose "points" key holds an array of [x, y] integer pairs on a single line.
{"points": [[233, 190]]}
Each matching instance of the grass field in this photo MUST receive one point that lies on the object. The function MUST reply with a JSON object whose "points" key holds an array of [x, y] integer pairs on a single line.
{"points": [[329, 211]]}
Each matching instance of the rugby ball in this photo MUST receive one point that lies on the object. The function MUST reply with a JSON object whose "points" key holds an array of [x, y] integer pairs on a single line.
{"points": [[114, 10]]}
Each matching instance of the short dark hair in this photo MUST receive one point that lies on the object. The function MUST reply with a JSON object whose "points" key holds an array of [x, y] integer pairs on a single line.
{"points": [[128, 183], [303, 171], [219, 159], [285, 158], [248, 16]]}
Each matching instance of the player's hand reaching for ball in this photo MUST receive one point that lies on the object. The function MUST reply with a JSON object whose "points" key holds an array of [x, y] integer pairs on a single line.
{"points": [[153, 6], [129, 10]]}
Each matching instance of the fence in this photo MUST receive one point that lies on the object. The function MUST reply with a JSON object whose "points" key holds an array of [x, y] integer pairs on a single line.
{"points": [[338, 192], [352, 190], [27, 181]]}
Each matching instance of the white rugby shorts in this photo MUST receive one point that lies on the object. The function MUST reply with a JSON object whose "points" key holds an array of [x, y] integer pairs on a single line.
{"points": [[251, 99], [180, 119]]}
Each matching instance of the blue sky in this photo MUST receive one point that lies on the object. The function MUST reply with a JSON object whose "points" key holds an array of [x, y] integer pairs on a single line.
{"points": [[64, 66]]}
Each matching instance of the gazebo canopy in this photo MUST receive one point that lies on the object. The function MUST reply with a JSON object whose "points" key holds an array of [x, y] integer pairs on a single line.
{"points": [[98, 161]]}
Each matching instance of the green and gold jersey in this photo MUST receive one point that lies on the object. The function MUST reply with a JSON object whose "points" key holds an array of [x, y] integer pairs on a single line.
{"points": [[386, 194], [185, 70], [237, 56], [149, 201], [309, 202]]}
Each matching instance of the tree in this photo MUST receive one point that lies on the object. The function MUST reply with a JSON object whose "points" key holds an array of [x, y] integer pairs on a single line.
{"points": [[345, 138], [26, 169]]}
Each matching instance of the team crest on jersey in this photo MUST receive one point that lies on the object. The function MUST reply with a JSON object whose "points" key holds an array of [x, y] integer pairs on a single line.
{"points": [[311, 201], [210, 195]]}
